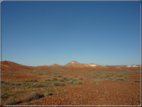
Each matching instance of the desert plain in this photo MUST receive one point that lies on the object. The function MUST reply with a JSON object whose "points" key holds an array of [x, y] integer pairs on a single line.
{"points": [[71, 84]]}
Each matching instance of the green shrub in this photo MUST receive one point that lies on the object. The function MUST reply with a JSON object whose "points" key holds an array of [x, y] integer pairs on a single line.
{"points": [[5, 88], [27, 86], [32, 96], [11, 101]]}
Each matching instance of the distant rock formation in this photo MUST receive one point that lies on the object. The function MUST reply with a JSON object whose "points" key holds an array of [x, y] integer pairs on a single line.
{"points": [[93, 65], [77, 64], [134, 66], [128, 66]]}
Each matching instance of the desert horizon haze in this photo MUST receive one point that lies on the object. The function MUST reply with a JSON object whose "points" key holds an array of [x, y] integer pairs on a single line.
{"points": [[104, 33]]}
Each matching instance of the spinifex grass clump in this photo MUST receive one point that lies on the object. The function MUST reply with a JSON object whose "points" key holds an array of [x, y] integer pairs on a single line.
{"points": [[60, 76], [11, 101], [136, 80], [70, 79], [54, 79], [79, 83], [32, 96], [47, 80], [33, 81], [62, 80], [4, 82], [38, 85], [46, 94], [121, 79], [15, 83], [65, 79], [76, 82], [58, 84]]}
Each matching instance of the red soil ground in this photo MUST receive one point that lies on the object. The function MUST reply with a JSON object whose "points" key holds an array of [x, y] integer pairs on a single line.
{"points": [[104, 92]]}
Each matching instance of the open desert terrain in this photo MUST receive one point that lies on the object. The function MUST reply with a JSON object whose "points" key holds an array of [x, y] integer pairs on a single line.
{"points": [[72, 84]]}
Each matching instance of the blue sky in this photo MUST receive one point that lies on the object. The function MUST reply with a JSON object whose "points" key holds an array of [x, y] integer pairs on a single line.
{"points": [[105, 33]]}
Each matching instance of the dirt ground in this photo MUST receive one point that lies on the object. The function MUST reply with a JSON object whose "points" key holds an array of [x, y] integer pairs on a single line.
{"points": [[61, 85]]}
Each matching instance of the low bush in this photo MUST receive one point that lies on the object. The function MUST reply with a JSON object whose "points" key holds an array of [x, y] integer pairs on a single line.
{"points": [[79, 83], [47, 80], [26, 80], [71, 82], [32, 96], [70, 79], [4, 82], [62, 80], [11, 101], [58, 84], [4, 95], [65, 79], [5, 88], [60, 76], [27, 86], [137, 81], [48, 83], [55, 79], [38, 85], [40, 74], [121, 79], [33, 81], [15, 83]]}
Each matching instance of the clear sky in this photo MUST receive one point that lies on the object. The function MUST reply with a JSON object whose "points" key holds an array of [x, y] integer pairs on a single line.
{"points": [[105, 33]]}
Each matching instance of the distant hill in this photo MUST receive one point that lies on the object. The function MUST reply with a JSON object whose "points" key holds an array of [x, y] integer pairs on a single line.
{"points": [[10, 64], [55, 65]]}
